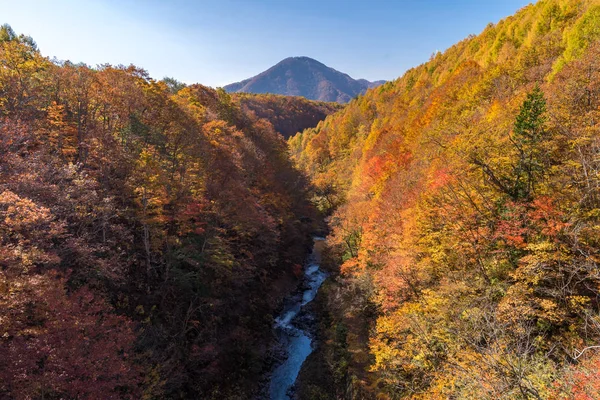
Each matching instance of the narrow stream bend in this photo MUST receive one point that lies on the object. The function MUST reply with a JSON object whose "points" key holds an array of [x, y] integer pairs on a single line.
{"points": [[296, 341]]}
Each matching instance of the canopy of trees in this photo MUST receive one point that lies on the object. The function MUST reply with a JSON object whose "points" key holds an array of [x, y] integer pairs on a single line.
{"points": [[148, 231], [465, 201], [288, 114]]}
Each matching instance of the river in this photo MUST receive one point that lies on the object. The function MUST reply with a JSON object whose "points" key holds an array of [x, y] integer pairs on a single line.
{"points": [[296, 341]]}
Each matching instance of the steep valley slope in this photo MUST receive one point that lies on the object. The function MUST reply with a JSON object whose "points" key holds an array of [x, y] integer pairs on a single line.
{"points": [[465, 206]]}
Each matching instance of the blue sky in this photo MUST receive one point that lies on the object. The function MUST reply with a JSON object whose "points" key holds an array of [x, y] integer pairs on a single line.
{"points": [[216, 42]]}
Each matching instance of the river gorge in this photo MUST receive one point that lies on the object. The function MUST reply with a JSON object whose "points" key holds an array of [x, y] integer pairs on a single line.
{"points": [[292, 336]]}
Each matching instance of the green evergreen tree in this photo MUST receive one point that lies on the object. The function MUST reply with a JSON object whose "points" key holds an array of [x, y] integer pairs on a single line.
{"points": [[529, 135]]}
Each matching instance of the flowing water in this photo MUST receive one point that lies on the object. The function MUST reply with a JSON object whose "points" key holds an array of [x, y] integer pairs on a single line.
{"points": [[296, 341]]}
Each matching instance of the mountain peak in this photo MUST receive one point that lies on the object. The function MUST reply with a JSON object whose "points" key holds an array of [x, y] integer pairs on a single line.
{"points": [[301, 58], [304, 76]]}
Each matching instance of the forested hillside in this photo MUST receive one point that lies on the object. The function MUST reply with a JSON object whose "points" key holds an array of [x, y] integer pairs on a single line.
{"points": [[465, 201], [146, 236], [288, 114]]}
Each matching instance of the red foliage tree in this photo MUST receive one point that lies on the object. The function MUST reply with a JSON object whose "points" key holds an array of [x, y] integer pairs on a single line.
{"points": [[58, 345]]}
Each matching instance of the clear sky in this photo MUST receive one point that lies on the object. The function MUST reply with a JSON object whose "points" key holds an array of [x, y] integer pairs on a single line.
{"points": [[216, 42]]}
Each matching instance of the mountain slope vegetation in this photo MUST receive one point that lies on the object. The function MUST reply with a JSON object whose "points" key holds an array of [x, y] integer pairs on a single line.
{"points": [[146, 236], [303, 76], [465, 202], [288, 114]]}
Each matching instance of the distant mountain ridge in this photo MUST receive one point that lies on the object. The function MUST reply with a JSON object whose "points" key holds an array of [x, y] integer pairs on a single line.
{"points": [[304, 76]]}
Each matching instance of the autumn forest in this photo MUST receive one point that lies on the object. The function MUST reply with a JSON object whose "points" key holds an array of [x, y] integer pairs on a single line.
{"points": [[151, 231]]}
